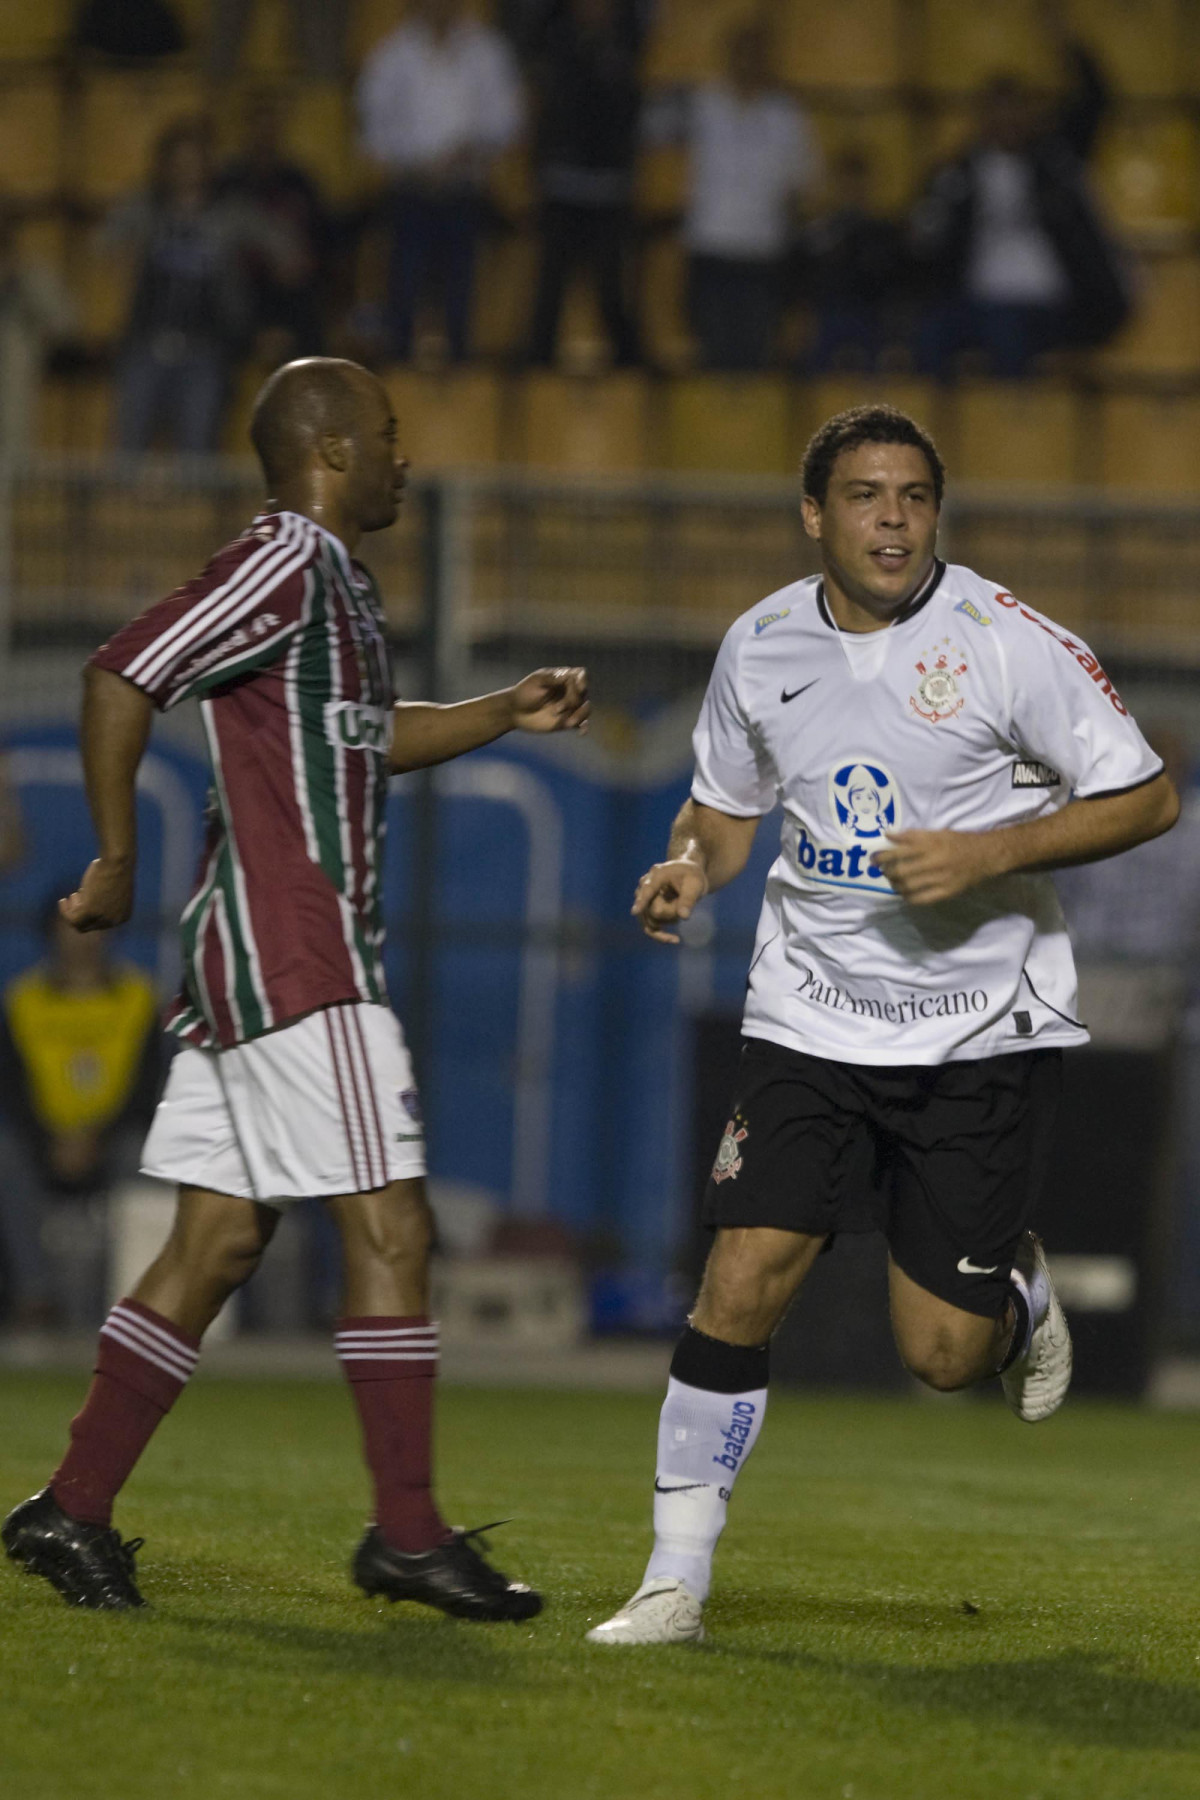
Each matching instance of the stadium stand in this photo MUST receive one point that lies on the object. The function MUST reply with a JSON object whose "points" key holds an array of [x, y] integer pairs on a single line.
{"points": [[1017, 431], [740, 424], [1150, 442], [585, 423]]}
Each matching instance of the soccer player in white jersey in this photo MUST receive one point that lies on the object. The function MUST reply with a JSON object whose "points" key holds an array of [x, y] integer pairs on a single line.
{"points": [[936, 747], [292, 1078]]}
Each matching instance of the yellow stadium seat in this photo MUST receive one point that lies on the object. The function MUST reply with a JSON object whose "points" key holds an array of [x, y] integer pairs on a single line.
{"points": [[1140, 42], [29, 32], [738, 424], [1163, 336], [102, 284], [590, 424], [75, 414], [886, 136], [122, 116], [1147, 170], [688, 38], [449, 419], [1151, 443], [1019, 431], [504, 287], [964, 45], [858, 46], [320, 133], [665, 329], [819, 400], [30, 134], [662, 180]]}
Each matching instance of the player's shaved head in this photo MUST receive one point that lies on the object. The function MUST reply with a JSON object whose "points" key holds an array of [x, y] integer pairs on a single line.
{"points": [[301, 404]]}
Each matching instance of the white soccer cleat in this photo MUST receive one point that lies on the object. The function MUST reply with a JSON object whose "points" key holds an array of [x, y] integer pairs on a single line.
{"points": [[1036, 1384], [662, 1611]]}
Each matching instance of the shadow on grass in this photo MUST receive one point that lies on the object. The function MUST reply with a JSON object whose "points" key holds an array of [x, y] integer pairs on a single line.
{"points": [[418, 1646], [1075, 1697]]}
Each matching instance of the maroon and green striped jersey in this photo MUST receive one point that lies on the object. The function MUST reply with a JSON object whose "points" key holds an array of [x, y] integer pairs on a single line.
{"points": [[282, 641]]}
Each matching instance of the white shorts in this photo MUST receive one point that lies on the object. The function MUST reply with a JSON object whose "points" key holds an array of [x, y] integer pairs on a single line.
{"points": [[325, 1106]]}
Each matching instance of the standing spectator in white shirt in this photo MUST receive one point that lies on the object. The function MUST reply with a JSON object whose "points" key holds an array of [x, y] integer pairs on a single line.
{"points": [[752, 156], [439, 100]]}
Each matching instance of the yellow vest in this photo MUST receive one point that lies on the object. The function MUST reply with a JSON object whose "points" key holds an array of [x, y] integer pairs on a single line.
{"points": [[81, 1052]]}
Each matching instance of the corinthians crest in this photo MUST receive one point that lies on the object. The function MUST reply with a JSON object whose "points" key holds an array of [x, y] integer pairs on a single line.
{"points": [[729, 1157], [939, 671]]}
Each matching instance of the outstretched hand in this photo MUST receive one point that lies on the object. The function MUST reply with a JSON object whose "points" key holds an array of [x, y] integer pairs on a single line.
{"points": [[104, 897], [551, 700], [925, 867], [666, 894]]}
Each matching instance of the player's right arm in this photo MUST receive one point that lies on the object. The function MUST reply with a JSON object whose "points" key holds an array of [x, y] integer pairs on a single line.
{"points": [[734, 785], [114, 730], [236, 618], [707, 849]]}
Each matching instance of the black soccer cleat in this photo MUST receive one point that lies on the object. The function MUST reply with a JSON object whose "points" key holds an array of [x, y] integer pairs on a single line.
{"points": [[88, 1564], [454, 1577]]}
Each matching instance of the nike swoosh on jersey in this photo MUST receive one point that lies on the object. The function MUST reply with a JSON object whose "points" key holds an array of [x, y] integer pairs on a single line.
{"points": [[967, 1267], [683, 1487], [785, 696]]}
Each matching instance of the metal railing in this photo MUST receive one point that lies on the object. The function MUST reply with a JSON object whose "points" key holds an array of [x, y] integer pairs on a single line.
{"points": [[645, 572]]}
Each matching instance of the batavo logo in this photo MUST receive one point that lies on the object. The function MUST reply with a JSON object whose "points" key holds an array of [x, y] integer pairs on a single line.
{"points": [[1083, 656], [865, 802]]}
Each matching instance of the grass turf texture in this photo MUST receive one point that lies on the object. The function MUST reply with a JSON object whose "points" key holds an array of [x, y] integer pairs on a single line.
{"points": [[912, 1600]]}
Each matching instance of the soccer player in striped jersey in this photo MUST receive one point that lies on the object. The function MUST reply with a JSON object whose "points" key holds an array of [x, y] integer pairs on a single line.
{"points": [[292, 1078]]}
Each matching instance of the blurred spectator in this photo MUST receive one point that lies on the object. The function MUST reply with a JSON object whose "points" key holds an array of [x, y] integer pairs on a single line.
{"points": [[192, 306], [36, 312], [288, 292], [1144, 906], [1141, 913], [852, 265], [1017, 258], [128, 30], [318, 28], [588, 101], [439, 99], [80, 1053], [752, 156]]}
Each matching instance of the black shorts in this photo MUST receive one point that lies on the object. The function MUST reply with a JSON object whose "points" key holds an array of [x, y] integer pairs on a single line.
{"points": [[947, 1160]]}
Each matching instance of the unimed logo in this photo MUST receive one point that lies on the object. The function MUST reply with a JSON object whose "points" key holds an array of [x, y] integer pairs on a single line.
{"points": [[357, 727]]}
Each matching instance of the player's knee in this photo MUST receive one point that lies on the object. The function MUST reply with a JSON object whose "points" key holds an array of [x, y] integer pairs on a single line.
{"points": [[399, 1230], [940, 1363]]}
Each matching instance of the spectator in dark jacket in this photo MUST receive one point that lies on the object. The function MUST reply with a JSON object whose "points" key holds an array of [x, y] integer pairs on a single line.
{"points": [[192, 306], [80, 1063], [288, 290], [1014, 253], [588, 100], [852, 265]]}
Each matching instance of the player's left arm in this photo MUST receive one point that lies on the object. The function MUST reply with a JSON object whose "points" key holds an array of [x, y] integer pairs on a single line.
{"points": [[547, 700], [927, 866]]}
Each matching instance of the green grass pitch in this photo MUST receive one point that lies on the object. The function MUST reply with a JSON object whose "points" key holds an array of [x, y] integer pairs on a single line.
{"points": [[915, 1602]]}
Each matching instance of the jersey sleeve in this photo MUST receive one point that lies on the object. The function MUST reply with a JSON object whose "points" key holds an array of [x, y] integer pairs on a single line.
{"points": [[733, 772], [238, 616], [1066, 711]]}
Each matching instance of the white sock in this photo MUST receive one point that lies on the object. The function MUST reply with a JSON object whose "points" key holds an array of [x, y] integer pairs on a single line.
{"points": [[703, 1440]]}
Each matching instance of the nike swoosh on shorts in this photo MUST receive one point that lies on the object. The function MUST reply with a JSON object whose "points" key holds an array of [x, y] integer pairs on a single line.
{"points": [[967, 1267]]}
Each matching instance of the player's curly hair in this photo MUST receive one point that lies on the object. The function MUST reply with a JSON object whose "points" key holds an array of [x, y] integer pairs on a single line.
{"points": [[865, 425]]}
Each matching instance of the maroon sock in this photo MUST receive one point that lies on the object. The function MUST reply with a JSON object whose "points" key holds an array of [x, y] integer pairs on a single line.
{"points": [[142, 1367], [390, 1365]]}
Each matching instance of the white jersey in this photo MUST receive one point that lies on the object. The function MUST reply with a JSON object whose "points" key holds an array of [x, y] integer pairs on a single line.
{"points": [[970, 711]]}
